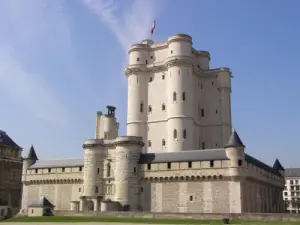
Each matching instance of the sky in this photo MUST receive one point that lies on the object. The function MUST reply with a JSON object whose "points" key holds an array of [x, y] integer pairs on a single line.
{"points": [[62, 61]]}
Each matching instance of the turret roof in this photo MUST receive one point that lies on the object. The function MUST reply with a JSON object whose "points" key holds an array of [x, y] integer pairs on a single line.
{"points": [[31, 154], [234, 140], [6, 140], [277, 165]]}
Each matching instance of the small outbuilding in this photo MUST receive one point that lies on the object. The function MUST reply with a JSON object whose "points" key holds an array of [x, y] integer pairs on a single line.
{"points": [[43, 207]]}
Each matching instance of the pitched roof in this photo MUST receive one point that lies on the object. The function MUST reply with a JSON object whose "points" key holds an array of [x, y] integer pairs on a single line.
{"points": [[43, 202], [32, 154], [234, 140], [292, 172], [6, 140], [277, 165], [261, 165], [57, 163], [183, 156]]}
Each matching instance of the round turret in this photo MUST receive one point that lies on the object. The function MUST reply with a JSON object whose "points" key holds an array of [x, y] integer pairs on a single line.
{"points": [[128, 150], [180, 45], [28, 161], [180, 97], [235, 151], [93, 159], [138, 55]]}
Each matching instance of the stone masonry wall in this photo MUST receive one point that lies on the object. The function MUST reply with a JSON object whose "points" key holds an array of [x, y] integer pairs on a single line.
{"points": [[60, 195], [199, 216], [197, 197]]}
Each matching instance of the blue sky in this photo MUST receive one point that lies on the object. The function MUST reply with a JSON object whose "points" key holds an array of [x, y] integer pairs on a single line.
{"points": [[61, 61]]}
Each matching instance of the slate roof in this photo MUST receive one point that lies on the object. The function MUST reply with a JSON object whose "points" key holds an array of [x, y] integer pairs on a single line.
{"points": [[261, 165], [32, 154], [43, 202], [277, 165], [183, 156], [292, 172], [234, 140], [57, 163], [6, 140]]}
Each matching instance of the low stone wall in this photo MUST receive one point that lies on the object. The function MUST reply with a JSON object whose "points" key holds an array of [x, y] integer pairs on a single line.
{"points": [[196, 216]]}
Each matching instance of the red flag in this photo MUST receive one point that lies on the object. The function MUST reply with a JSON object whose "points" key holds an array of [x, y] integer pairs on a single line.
{"points": [[153, 27]]}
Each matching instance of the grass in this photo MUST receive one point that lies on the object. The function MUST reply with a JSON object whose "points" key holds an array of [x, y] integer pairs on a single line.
{"points": [[80, 219]]}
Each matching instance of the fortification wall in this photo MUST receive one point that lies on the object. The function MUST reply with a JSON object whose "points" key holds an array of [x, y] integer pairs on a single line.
{"points": [[196, 216]]}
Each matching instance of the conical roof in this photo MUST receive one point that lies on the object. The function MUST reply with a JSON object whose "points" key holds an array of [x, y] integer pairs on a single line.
{"points": [[6, 140], [234, 141], [277, 165], [31, 154]]}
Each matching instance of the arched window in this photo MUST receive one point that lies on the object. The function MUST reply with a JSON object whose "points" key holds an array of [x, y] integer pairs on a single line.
{"points": [[174, 96], [149, 108], [141, 107], [163, 142], [184, 134], [108, 170], [175, 133], [163, 107], [149, 143], [183, 96]]}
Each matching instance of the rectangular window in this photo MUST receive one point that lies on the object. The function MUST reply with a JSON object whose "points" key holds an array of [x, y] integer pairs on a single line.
{"points": [[149, 166], [96, 189], [211, 163], [142, 189], [190, 164], [134, 170], [240, 162], [63, 169], [79, 189], [98, 170], [203, 145], [80, 168], [169, 165], [36, 170], [49, 170]]}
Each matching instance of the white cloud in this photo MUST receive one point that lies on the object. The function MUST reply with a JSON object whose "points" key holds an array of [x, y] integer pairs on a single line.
{"points": [[28, 29], [130, 25]]}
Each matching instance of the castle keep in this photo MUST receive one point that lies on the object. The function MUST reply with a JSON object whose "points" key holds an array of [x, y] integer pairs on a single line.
{"points": [[180, 153]]}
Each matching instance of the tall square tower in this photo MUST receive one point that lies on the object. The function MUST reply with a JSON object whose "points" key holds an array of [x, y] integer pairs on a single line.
{"points": [[176, 102]]}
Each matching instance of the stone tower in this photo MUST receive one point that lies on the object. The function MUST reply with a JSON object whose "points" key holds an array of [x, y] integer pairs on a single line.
{"points": [[128, 150], [172, 88]]}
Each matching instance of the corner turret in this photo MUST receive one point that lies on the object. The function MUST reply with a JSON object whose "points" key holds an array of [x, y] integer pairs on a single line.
{"points": [[235, 151], [28, 161]]}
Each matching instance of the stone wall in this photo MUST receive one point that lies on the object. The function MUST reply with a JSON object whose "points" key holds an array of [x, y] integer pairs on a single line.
{"points": [[196, 197], [196, 216], [60, 195]]}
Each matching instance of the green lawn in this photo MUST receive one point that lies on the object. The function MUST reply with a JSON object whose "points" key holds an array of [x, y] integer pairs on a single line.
{"points": [[140, 220]]}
